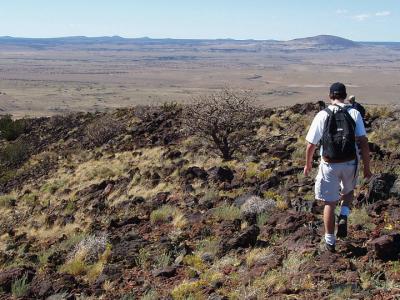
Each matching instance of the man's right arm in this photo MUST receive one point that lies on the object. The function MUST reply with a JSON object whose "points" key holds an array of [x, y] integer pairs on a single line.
{"points": [[309, 158], [364, 147]]}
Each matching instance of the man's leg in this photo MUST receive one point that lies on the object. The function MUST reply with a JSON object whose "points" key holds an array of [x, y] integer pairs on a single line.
{"points": [[329, 223], [347, 201]]}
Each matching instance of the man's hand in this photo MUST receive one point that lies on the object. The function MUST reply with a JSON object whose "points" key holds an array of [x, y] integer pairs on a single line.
{"points": [[307, 170], [309, 156]]}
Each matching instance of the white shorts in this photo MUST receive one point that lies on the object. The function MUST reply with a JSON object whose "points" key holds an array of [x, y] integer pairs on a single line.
{"points": [[335, 179]]}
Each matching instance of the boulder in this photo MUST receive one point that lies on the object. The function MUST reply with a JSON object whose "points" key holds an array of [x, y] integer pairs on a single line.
{"points": [[126, 251], [222, 174], [168, 272], [379, 187], [7, 277], [194, 172], [386, 247], [239, 201], [172, 154], [254, 206], [395, 190], [271, 182], [245, 239]]}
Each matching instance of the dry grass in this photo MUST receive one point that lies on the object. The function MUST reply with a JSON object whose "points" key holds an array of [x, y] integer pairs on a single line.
{"points": [[168, 213], [257, 255], [359, 216], [226, 212], [7, 200]]}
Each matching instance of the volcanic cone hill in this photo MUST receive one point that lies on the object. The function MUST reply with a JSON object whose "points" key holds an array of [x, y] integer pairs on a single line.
{"points": [[127, 205]]}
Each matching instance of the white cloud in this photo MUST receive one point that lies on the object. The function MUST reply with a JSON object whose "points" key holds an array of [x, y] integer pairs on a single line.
{"points": [[361, 17], [342, 11], [383, 13]]}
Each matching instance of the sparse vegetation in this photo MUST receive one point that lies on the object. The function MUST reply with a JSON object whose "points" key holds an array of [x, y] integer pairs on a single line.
{"points": [[163, 260], [359, 216], [168, 213], [103, 129], [11, 129], [142, 258], [6, 200], [257, 255], [226, 212], [61, 222], [14, 154], [19, 288], [226, 119]]}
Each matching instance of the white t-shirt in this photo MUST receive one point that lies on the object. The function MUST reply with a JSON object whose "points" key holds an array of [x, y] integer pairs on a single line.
{"points": [[316, 130]]}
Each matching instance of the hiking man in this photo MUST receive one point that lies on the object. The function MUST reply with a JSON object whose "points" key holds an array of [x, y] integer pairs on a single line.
{"points": [[357, 106], [339, 128]]}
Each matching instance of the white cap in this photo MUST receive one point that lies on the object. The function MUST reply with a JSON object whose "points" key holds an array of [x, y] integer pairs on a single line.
{"points": [[352, 98]]}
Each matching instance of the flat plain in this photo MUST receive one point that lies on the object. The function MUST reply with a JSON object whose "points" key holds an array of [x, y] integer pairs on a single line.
{"points": [[41, 77]]}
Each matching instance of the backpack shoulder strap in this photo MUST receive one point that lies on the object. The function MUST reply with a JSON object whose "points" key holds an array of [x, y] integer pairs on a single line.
{"points": [[330, 113], [347, 115]]}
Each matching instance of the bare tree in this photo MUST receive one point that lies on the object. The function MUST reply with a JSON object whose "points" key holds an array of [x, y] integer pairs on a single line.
{"points": [[225, 118]]}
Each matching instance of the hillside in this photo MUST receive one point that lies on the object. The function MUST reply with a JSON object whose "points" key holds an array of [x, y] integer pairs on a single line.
{"points": [[128, 205], [326, 41]]}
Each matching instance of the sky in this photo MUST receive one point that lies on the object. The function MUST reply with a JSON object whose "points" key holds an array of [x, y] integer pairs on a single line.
{"points": [[360, 20]]}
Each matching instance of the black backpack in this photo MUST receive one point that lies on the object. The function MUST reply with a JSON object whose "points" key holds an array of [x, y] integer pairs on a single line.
{"points": [[339, 139]]}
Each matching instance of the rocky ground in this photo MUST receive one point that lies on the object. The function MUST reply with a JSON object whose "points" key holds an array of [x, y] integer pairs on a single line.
{"points": [[126, 205]]}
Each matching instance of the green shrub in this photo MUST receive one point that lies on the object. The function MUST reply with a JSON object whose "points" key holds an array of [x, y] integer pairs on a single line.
{"points": [[262, 219], [163, 260], [142, 258], [227, 212], [10, 129], [19, 287], [74, 267]]}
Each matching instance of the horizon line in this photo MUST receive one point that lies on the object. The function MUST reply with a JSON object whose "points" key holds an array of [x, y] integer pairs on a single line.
{"points": [[198, 39]]}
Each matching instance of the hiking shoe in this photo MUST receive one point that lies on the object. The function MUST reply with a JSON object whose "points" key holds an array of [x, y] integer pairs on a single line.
{"points": [[330, 248], [342, 227]]}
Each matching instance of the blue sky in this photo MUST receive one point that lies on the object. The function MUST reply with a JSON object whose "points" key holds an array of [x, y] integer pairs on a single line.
{"points": [[362, 20]]}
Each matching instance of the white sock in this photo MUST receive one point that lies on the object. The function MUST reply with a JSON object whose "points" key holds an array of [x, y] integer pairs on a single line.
{"points": [[345, 211], [330, 239]]}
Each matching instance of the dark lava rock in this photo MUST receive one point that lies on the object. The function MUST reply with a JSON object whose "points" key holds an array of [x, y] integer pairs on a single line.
{"points": [[223, 174], [239, 201], [7, 277], [194, 172], [188, 188], [207, 257], [379, 187], [374, 148], [42, 286], [271, 182], [160, 199], [352, 250], [126, 251], [395, 190], [165, 272], [244, 239], [172, 154], [118, 223], [307, 107], [293, 221], [386, 247]]}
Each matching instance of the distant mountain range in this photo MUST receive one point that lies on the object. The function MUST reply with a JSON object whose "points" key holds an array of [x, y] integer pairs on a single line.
{"points": [[317, 42]]}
